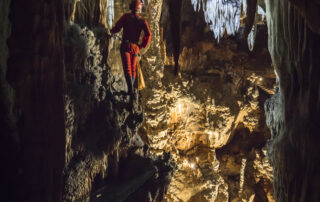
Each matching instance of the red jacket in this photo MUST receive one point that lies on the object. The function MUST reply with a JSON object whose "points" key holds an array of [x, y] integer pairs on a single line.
{"points": [[132, 26]]}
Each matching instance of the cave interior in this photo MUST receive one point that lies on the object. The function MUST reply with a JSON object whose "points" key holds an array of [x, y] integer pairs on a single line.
{"points": [[230, 110]]}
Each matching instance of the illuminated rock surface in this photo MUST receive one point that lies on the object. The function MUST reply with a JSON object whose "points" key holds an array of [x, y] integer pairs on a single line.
{"points": [[210, 118]]}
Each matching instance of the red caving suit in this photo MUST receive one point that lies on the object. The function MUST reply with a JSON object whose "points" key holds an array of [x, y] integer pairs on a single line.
{"points": [[132, 27]]}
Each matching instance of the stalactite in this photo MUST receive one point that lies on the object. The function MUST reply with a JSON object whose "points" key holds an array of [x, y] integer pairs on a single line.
{"points": [[254, 12], [94, 13], [70, 9], [221, 15], [175, 12], [110, 12], [250, 17]]}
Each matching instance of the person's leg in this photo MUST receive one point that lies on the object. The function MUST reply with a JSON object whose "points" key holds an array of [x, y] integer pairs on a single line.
{"points": [[134, 59], [126, 63], [134, 50], [134, 73]]}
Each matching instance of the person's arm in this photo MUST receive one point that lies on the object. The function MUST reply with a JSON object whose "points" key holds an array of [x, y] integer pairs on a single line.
{"points": [[118, 25], [147, 35]]}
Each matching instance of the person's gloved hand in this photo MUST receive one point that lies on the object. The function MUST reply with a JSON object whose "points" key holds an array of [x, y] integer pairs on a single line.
{"points": [[109, 35]]}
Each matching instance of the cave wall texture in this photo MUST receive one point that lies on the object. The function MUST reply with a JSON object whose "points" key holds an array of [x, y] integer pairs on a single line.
{"points": [[293, 112], [210, 118]]}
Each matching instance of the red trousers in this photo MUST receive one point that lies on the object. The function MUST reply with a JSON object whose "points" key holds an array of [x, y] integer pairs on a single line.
{"points": [[129, 55]]}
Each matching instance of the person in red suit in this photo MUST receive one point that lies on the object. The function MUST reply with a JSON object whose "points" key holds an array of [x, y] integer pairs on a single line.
{"points": [[132, 25]]}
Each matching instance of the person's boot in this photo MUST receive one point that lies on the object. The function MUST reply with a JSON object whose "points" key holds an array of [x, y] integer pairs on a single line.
{"points": [[131, 92], [129, 85], [132, 86]]}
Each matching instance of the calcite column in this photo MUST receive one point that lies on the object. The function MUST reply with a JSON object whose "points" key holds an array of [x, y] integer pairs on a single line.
{"points": [[293, 113], [36, 72]]}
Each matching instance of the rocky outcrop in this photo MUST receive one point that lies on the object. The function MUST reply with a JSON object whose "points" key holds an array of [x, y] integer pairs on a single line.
{"points": [[100, 121], [293, 112], [103, 147], [193, 124]]}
